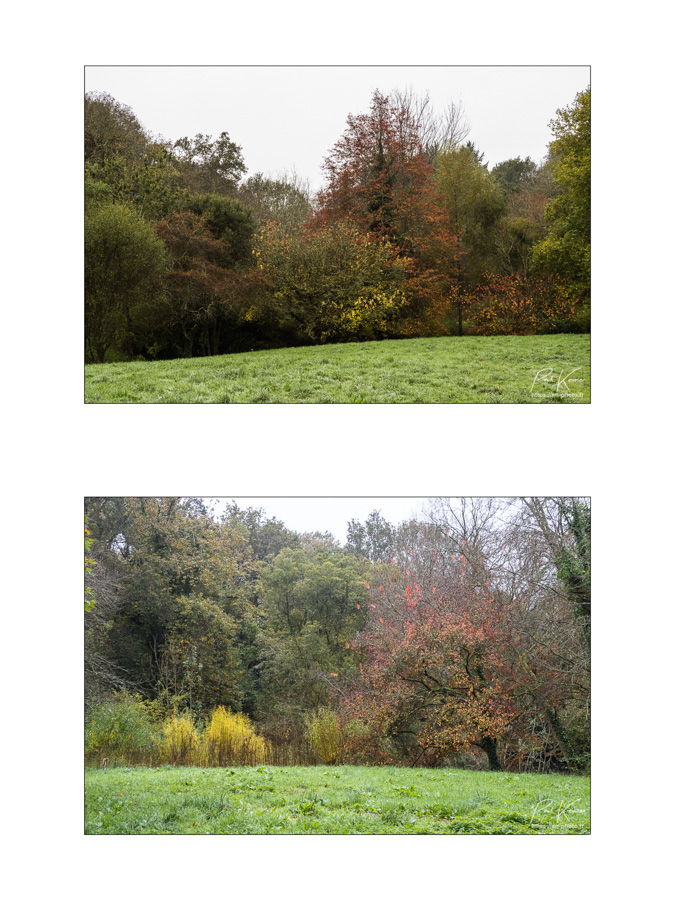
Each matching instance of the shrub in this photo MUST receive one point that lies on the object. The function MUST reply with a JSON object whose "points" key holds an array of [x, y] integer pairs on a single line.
{"points": [[180, 746], [332, 284], [122, 730], [229, 739], [514, 304], [335, 740], [229, 221], [325, 736]]}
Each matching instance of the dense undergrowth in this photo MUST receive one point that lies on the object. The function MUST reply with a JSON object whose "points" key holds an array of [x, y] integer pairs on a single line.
{"points": [[127, 730]]}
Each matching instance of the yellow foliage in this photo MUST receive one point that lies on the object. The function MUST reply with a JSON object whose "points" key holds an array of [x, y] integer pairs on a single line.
{"points": [[325, 735], [180, 746], [229, 738], [336, 282]]}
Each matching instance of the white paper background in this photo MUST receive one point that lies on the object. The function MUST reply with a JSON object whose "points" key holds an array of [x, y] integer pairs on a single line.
{"points": [[58, 451]]}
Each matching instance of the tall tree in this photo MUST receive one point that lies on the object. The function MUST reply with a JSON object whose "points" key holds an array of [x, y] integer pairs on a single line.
{"points": [[372, 538], [204, 299], [286, 199], [380, 180], [436, 132], [125, 263], [566, 250], [111, 130], [185, 611], [474, 204], [434, 677], [210, 165], [313, 602]]}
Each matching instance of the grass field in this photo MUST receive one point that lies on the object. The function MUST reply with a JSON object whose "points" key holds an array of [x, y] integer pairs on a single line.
{"points": [[538, 369], [332, 800]]}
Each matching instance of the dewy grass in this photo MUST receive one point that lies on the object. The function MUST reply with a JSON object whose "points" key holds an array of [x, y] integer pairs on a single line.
{"points": [[332, 800], [537, 369]]}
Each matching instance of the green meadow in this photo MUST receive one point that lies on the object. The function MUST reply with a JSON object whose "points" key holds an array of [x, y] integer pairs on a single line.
{"points": [[535, 369], [332, 800]]}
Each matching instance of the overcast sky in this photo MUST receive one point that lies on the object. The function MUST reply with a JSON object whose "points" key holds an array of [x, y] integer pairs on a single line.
{"points": [[329, 513], [288, 118]]}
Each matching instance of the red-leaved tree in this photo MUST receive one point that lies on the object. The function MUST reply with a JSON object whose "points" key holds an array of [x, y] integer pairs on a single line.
{"points": [[379, 179], [434, 674], [450, 661]]}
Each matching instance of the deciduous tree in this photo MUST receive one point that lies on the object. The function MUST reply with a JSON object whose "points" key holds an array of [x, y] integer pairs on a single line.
{"points": [[184, 603], [210, 165], [566, 250], [313, 602], [380, 180], [204, 299], [286, 199], [111, 130], [125, 263], [332, 283]]}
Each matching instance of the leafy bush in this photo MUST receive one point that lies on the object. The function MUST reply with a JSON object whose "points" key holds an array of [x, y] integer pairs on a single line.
{"points": [[332, 284], [324, 732], [229, 221], [122, 730], [514, 304], [180, 746], [336, 740], [229, 739]]}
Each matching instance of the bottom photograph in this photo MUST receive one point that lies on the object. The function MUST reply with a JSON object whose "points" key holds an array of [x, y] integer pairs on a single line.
{"points": [[337, 665]]}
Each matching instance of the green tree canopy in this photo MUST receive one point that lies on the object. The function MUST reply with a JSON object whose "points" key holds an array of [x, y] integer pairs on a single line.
{"points": [[566, 250], [210, 165], [313, 602], [125, 263], [229, 221], [151, 183], [111, 130], [474, 203], [186, 619], [286, 200], [372, 539], [513, 174]]}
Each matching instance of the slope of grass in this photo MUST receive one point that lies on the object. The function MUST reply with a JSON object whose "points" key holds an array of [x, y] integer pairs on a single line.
{"points": [[332, 800], [538, 369]]}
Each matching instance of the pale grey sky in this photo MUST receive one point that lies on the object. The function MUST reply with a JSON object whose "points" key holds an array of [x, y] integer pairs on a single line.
{"points": [[290, 117], [328, 513]]}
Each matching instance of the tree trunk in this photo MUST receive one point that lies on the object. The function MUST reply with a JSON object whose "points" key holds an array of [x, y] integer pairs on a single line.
{"points": [[561, 739], [489, 745]]}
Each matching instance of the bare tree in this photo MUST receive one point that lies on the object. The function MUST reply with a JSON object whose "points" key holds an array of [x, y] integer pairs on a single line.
{"points": [[286, 197], [101, 676], [435, 131], [522, 546]]}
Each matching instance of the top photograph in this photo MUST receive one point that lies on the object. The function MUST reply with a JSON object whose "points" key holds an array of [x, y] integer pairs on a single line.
{"points": [[337, 234]]}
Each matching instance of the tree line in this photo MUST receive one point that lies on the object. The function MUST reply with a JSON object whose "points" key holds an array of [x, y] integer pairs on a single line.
{"points": [[461, 636], [412, 235]]}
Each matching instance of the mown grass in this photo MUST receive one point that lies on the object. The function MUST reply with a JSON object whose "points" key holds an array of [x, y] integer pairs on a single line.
{"points": [[332, 800], [420, 370]]}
